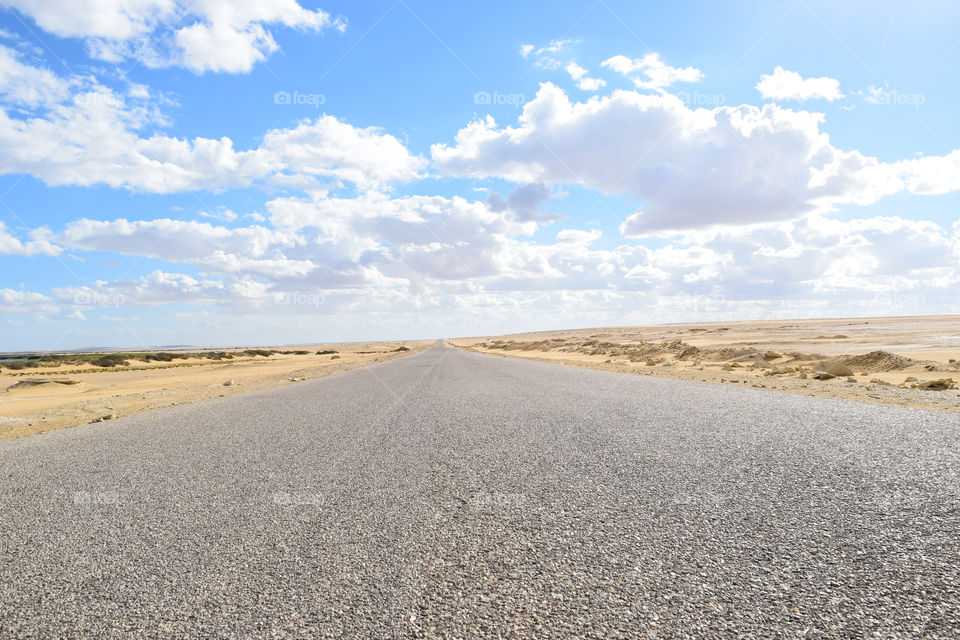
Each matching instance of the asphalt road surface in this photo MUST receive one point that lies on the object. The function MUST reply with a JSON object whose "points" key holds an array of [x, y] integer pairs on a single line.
{"points": [[450, 494]]}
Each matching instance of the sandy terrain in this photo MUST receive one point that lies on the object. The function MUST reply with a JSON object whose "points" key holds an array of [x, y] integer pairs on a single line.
{"points": [[38, 400], [909, 361]]}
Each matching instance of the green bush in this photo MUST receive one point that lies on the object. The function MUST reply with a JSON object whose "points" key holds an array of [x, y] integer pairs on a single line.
{"points": [[159, 357], [109, 360]]}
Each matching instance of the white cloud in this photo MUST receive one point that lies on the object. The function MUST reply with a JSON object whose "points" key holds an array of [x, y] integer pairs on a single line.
{"points": [[95, 141], [524, 202], [932, 175], [22, 84], [591, 84], [245, 250], [201, 35], [223, 214], [576, 71], [584, 82], [769, 174], [578, 236], [75, 131], [112, 19], [39, 243], [549, 56], [15, 301], [880, 262], [690, 167], [155, 288], [329, 148], [447, 256], [790, 85], [659, 75]]}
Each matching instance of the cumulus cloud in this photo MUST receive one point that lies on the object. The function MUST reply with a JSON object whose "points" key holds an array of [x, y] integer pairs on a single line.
{"points": [[16, 301], [25, 85], [417, 254], [201, 35], [656, 73], [889, 265], [525, 202], [156, 288], [584, 82], [327, 147], [420, 247], [689, 167], [244, 250], [790, 85], [40, 242], [411, 246], [76, 131], [932, 175], [739, 195]]}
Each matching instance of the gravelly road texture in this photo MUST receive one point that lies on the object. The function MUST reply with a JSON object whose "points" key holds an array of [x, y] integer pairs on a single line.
{"points": [[451, 494]]}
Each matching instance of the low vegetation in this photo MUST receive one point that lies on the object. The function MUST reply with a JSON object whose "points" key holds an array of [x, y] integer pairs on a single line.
{"points": [[260, 352], [121, 360], [125, 361]]}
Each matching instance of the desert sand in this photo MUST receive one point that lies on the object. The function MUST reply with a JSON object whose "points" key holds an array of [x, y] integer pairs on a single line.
{"points": [[36, 400], [908, 361]]}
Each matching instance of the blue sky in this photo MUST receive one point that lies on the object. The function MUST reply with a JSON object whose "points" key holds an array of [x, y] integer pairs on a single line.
{"points": [[218, 173]]}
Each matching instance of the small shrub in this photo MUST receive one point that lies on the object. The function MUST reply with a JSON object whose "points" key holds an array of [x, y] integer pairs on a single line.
{"points": [[325, 352], [402, 348], [109, 360], [159, 357]]}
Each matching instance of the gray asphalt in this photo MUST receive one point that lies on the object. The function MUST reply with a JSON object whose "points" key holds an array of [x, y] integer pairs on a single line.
{"points": [[451, 494]]}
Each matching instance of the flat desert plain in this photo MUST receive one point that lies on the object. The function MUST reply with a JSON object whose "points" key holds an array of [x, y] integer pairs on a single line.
{"points": [[908, 361], [44, 398]]}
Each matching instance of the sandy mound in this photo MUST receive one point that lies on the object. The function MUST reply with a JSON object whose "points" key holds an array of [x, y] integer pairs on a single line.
{"points": [[834, 369], [35, 382], [879, 361]]}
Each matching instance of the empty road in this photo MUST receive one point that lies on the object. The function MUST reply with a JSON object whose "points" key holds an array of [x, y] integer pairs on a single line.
{"points": [[451, 494]]}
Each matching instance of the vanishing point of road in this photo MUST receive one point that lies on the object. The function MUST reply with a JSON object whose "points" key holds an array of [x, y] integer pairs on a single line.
{"points": [[452, 494]]}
